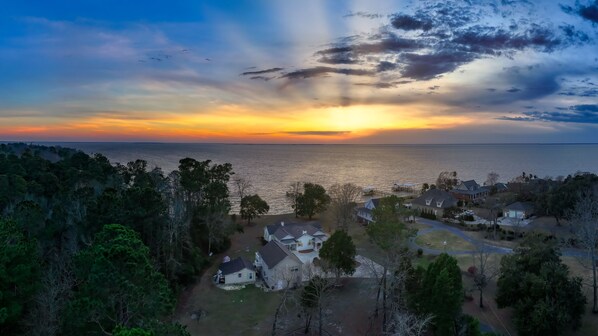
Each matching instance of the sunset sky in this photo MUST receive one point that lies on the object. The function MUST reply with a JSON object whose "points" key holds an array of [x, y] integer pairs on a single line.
{"points": [[309, 71]]}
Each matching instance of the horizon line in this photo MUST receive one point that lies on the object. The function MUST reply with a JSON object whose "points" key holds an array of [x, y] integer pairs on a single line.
{"points": [[299, 144]]}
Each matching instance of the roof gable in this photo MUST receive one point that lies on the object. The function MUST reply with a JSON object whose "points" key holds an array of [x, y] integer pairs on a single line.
{"points": [[235, 266], [436, 198], [274, 252], [520, 206], [294, 230]]}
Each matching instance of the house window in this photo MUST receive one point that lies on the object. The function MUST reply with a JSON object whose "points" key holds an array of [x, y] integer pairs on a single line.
{"points": [[299, 243], [240, 275], [250, 275], [294, 269]]}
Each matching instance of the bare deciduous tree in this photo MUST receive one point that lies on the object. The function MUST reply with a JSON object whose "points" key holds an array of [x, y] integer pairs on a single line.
{"points": [[584, 218], [292, 194], [344, 198], [314, 296], [492, 178], [45, 316], [242, 186], [405, 323], [290, 278], [483, 272]]}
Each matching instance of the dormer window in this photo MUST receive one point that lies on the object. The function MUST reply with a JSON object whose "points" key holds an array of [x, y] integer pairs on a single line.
{"points": [[439, 203], [428, 201]]}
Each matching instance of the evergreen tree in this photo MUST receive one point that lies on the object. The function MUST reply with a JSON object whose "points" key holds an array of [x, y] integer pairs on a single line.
{"points": [[19, 275], [535, 282], [252, 206], [118, 285], [339, 253]]}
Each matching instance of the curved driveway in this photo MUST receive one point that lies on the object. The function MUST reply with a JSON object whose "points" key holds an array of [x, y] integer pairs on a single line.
{"points": [[439, 226]]}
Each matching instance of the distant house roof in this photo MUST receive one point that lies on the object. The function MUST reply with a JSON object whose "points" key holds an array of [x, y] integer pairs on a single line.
{"points": [[274, 252], [520, 206], [235, 266], [471, 185], [436, 198], [500, 186], [283, 230]]}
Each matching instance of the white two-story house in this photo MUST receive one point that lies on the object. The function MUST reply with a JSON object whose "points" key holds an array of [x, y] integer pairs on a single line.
{"points": [[278, 266], [365, 214], [300, 237]]}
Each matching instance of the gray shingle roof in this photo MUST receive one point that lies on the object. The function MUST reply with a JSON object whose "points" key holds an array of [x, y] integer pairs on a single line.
{"points": [[434, 196], [520, 206], [471, 185], [235, 266], [294, 230], [274, 252]]}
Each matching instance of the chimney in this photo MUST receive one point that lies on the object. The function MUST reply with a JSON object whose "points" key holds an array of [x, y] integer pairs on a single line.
{"points": [[304, 232], [281, 223]]}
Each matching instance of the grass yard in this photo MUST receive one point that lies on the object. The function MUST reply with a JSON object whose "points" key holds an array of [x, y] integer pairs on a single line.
{"points": [[436, 239], [247, 311]]}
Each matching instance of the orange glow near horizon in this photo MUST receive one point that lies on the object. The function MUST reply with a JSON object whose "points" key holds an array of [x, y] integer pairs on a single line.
{"points": [[239, 124]]}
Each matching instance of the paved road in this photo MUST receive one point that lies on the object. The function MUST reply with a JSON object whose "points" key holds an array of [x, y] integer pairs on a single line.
{"points": [[439, 226]]}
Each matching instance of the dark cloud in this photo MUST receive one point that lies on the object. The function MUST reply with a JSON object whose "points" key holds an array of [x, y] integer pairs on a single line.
{"points": [[428, 66], [383, 85], [261, 72], [385, 66], [493, 41], [590, 12], [406, 22], [321, 133], [437, 38], [574, 34], [341, 58], [390, 43], [322, 71], [582, 114], [366, 15], [264, 78]]}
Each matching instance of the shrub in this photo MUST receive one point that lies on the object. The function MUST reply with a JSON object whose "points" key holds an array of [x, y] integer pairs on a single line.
{"points": [[420, 252], [468, 218], [427, 215], [472, 270]]}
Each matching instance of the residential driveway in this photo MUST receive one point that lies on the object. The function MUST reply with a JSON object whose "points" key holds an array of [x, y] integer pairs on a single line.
{"points": [[439, 226]]}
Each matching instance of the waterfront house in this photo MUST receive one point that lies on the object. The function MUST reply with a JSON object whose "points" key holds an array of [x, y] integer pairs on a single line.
{"points": [[469, 191], [235, 272], [434, 201], [278, 266], [301, 237], [365, 213]]}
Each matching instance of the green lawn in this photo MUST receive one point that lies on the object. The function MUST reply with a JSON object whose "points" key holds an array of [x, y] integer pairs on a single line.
{"points": [[436, 239], [235, 312]]}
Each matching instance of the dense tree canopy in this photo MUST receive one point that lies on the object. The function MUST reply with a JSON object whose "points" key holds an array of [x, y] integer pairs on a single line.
{"points": [[440, 293], [19, 274], [339, 253], [62, 198], [313, 200], [118, 285], [252, 206], [535, 282]]}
